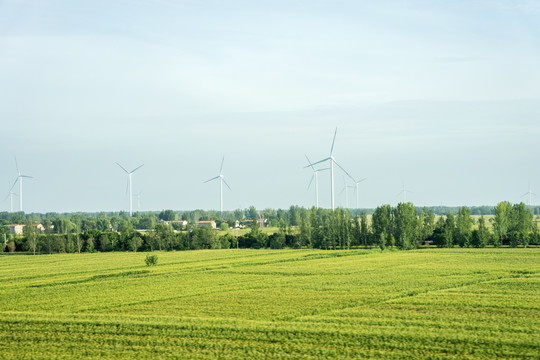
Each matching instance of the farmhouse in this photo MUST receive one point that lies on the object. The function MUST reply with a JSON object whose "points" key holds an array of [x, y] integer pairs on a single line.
{"points": [[18, 229], [208, 224], [181, 222], [262, 222]]}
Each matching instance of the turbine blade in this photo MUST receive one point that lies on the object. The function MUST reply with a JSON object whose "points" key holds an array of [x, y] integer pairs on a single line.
{"points": [[221, 167], [342, 191], [17, 166], [333, 141], [127, 172], [14, 183], [214, 178], [345, 171], [312, 177], [359, 181], [227, 184], [318, 162], [132, 171], [27, 176], [309, 162]]}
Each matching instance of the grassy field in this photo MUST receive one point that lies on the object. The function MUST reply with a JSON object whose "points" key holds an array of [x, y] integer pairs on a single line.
{"points": [[432, 303]]}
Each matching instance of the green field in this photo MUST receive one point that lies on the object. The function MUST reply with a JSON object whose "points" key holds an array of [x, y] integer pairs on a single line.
{"points": [[431, 303]]}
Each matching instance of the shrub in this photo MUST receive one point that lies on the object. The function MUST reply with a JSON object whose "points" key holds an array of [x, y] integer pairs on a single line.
{"points": [[150, 259]]}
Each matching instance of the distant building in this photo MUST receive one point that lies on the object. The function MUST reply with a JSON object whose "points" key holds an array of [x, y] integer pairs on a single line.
{"points": [[170, 222], [15, 229], [18, 229], [208, 224], [262, 223]]}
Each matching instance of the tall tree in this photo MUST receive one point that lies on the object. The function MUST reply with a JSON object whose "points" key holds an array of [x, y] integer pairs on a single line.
{"points": [[501, 222], [381, 221], [364, 230], [405, 226], [480, 236], [31, 237], [449, 231], [464, 224]]}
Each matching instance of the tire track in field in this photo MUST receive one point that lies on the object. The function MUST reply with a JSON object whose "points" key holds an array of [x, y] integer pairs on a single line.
{"points": [[404, 296]]}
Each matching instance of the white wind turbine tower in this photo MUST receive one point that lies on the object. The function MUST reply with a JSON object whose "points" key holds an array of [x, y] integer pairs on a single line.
{"points": [[356, 189], [138, 196], [221, 181], [404, 192], [333, 161], [130, 173], [316, 177], [10, 195], [20, 180], [346, 190], [530, 193]]}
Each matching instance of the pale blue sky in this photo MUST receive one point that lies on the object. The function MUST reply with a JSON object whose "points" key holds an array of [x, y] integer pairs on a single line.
{"points": [[443, 96]]}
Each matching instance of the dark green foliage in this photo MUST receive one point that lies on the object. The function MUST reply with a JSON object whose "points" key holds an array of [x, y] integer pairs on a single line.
{"points": [[464, 224], [449, 231], [151, 259], [405, 226], [167, 215], [480, 237], [402, 226]]}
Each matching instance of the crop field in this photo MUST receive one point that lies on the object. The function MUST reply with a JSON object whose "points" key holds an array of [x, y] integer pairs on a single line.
{"points": [[430, 303]]}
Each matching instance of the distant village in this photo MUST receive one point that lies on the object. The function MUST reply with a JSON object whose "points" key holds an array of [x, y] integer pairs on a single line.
{"points": [[18, 229]]}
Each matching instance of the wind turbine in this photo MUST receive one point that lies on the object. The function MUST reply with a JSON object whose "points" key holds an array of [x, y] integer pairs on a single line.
{"points": [[221, 181], [130, 173], [404, 192], [316, 177], [346, 190], [530, 193], [138, 196], [356, 189], [20, 180], [10, 195], [333, 161]]}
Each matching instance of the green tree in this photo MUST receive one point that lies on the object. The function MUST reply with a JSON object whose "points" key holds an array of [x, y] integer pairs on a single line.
{"points": [[480, 236], [382, 240], [305, 230], [428, 225], [277, 240], [449, 231], [134, 243], [103, 224], [364, 229], [252, 213], [521, 225], [405, 226], [31, 237], [501, 222], [167, 215], [464, 224], [164, 236], [381, 221]]}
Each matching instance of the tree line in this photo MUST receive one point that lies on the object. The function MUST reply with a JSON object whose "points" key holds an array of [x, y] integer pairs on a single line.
{"points": [[403, 227]]}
